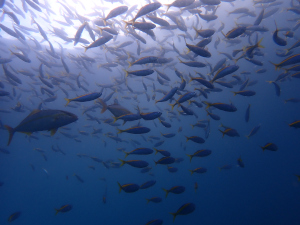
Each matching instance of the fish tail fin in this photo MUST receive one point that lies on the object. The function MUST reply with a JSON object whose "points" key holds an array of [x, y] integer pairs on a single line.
{"points": [[122, 162], [276, 65], [191, 172], [286, 51], [104, 21], [223, 33], [190, 157], [120, 186], [101, 31], [172, 105], [126, 23], [222, 132], [262, 148], [85, 48], [56, 211], [207, 104], [130, 64], [126, 154], [196, 32], [168, 6], [234, 93], [167, 192], [115, 119], [68, 101], [156, 150], [179, 59], [126, 72], [192, 126], [103, 105], [119, 131], [11, 133], [259, 45], [174, 216], [247, 136], [155, 162], [148, 200], [187, 138]]}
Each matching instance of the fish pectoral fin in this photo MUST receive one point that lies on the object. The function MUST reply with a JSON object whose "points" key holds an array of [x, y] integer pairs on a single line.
{"points": [[53, 131]]}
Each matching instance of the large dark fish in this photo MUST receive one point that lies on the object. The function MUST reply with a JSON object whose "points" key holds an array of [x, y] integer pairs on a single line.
{"points": [[39, 120]]}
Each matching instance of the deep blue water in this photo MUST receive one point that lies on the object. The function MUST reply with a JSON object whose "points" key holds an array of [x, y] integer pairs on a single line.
{"points": [[265, 191]]}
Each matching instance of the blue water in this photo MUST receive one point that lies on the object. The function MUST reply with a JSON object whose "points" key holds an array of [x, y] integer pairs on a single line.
{"points": [[265, 191]]}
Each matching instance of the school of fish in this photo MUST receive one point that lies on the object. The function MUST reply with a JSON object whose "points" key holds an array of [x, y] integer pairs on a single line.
{"points": [[167, 64]]}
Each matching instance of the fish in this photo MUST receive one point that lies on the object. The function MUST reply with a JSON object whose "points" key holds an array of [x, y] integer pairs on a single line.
{"points": [[185, 209], [63, 209], [147, 9], [200, 153], [235, 32], [174, 190], [100, 41], [198, 170], [135, 163], [155, 200], [269, 146], [253, 131], [195, 139], [295, 124], [221, 106], [128, 188], [115, 12], [14, 216], [148, 184], [85, 98], [165, 160], [135, 130], [139, 151], [39, 120]]}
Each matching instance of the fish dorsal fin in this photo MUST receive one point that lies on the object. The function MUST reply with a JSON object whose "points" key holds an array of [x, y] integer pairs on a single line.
{"points": [[34, 112]]}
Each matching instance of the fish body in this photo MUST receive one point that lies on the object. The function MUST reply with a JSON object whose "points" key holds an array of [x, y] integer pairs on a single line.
{"points": [[115, 12], [84, 98], [185, 208], [39, 120], [224, 72], [151, 115], [139, 151], [63, 209], [135, 163], [100, 41], [135, 130], [230, 132], [199, 170], [129, 188], [175, 190], [269, 146], [148, 184], [221, 106], [14, 216], [196, 139], [200, 153], [165, 160]]}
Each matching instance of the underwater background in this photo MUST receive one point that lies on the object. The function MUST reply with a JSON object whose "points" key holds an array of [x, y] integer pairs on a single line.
{"points": [[79, 165]]}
